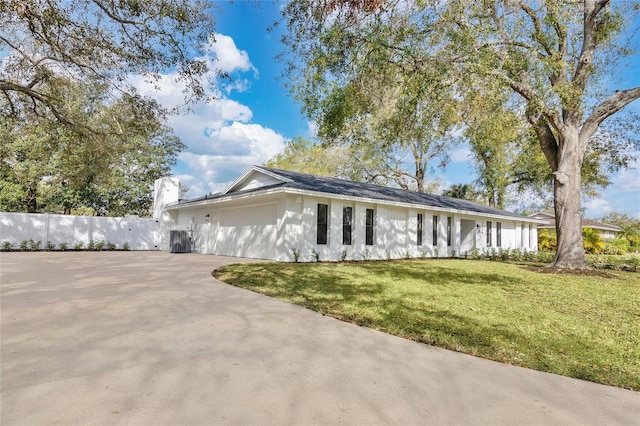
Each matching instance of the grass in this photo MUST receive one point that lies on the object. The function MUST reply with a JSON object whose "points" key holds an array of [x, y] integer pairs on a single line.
{"points": [[582, 326]]}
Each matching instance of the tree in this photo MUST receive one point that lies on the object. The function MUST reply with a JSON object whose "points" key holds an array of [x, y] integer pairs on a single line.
{"points": [[630, 227], [462, 191], [107, 170], [553, 55], [368, 97], [49, 43]]}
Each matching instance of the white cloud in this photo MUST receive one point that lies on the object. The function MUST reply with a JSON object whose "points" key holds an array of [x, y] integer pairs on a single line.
{"points": [[597, 207], [232, 150], [221, 140], [228, 57], [629, 179], [461, 154], [312, 129]]}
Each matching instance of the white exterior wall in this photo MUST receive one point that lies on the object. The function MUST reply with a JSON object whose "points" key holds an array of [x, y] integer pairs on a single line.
{"points": [[395, 230]]}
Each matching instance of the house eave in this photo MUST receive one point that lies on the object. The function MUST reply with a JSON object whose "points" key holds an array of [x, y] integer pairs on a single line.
{"points": [[239, 196]]}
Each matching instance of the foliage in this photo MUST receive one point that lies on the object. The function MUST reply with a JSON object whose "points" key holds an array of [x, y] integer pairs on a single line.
{"points": [[371, 89], [463, 191], [560, 323], [315, 255], [630, 227], [46, 167], [358, 67], [34, 245], [7, 245], [614, 263], [104, 41], [592, 241], [296, 254], [547, 240], [63, 246], [305, 156]]}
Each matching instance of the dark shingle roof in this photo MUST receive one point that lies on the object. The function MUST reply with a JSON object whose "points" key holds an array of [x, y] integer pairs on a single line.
{"points": [[376, 192], [327, 185]]}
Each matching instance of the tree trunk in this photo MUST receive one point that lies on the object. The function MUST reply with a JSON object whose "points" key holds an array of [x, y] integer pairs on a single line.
{"points": [[30, 199], [567, 188]]}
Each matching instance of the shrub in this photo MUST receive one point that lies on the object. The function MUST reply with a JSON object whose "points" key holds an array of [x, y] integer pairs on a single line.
{"points": [[622, 244], [91, 246], [50, 246], [547, 240], [315, 255], [517, 255], [125, 247], [62, 246], [475, 254], [592, 241], [34, 245], [100, 245], [504, 254], [111, 246], [78, 246], [529, 256], [296, 254], [7, 245], [628, 264], [23, 245], [545, 256]]}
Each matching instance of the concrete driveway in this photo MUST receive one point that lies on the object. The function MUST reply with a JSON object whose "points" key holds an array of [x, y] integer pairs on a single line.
{"points": [[152, 338]]}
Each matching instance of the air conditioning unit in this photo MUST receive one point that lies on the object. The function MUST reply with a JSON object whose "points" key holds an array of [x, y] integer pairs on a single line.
{"points": [[179, 242]]}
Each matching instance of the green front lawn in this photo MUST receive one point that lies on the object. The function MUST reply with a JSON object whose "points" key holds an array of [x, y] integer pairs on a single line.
{"points": [[583, 326]]}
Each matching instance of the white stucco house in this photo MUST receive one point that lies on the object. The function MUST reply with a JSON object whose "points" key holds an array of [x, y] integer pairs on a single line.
{"points": [[270, 214]]}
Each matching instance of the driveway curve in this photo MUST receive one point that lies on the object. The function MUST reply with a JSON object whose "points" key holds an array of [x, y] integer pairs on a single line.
{"points": [[151, 338]]}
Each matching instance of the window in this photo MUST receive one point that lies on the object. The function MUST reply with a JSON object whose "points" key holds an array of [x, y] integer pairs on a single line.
{"points": [[435, 230], [347, 220], [499, 234], [448, 231], [368, 240], [488, 233], [323, 210], [419, 237]]}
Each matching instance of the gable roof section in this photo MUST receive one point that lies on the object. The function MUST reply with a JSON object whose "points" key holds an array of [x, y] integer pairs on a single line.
{"points": [[254, 178], [284, 179]]}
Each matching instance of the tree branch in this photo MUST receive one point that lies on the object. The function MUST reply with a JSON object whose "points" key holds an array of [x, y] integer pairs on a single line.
{"points": [[546, 138], [607, 108], [591, 11]]}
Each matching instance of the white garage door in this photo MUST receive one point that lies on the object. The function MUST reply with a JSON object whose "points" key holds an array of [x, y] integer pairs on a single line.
{"points": [[249, 232]]}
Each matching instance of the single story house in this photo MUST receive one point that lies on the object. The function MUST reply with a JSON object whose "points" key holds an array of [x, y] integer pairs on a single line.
{"points": [[606, 231], [283, 215]]}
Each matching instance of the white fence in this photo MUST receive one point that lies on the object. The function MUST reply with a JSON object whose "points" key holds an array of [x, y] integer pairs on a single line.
{"points": [[137, 233]]}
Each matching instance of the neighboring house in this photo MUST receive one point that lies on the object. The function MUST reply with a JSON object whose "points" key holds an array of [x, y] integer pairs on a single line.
{"points": [[269, 214], [606, 231]]}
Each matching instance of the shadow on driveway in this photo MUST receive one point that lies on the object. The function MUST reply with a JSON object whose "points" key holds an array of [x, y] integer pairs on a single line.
{"points": [[152, 338]]}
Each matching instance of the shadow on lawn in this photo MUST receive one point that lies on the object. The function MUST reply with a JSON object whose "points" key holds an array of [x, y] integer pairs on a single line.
{"points": [[364, 294], [339, 294]]}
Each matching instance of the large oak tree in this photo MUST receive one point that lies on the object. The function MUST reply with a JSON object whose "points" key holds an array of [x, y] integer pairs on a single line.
{"points": [[553, 55]]}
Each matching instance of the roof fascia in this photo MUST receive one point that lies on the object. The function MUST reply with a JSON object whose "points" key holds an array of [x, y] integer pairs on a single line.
{"points": [[294, 191], [407, 205], [252, 169]]}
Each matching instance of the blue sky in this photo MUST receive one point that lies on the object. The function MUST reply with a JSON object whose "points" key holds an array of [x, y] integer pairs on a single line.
{"points": [[253, 116]]}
